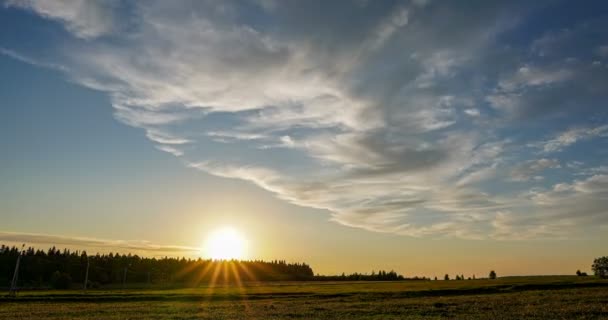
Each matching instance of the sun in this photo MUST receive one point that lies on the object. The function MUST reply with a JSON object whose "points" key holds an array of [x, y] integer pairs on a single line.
{"points": [[226, 244]]}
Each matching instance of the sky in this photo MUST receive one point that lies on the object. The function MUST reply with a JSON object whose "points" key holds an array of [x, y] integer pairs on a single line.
{"points": [[423, 136]]}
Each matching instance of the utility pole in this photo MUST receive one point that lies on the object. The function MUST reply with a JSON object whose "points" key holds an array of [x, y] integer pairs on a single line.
{"points": [[86, 275], [13, 290], [124, 278]]}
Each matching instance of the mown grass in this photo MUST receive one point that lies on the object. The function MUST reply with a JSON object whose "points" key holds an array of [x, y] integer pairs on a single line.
{"points": [[505, 298]]}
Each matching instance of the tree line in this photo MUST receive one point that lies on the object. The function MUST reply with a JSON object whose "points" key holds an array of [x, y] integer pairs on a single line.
{"points": [[64, 268], [380, 276]]}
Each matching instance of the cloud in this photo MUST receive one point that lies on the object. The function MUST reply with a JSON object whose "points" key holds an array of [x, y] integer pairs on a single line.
{"points": [[85, 19], [32, 61], [172, 150], [565, 209], [142, 246], [164, 138], [562, 77], [571, 137], [409, 121], [472, 112], [531, 168]]}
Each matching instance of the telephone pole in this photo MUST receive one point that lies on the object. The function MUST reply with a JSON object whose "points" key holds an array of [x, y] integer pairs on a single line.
{"points": [[13, 290], [124, 277]]}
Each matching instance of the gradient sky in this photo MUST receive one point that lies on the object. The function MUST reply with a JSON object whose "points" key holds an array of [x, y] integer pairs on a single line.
{"points": [[424, 136]]}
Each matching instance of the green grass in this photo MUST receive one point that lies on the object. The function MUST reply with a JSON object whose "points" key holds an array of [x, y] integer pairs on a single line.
{"points": [[504, 298]]}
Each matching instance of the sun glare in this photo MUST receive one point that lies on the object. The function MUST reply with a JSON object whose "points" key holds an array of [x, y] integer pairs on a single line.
{"points": [[225, 244]]}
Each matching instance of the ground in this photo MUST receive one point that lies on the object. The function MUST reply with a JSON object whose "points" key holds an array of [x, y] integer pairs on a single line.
{"points": [[505, 298]]}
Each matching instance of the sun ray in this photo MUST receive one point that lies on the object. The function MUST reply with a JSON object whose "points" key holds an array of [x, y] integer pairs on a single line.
{"points": [[201, 275], [250, 275], [235, 267], [214, 276]]}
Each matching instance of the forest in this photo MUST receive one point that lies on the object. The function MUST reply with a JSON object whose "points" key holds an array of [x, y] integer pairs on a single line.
{"points": [[62, 269]]}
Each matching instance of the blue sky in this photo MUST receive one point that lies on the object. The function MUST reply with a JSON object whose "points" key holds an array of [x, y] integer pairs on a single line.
{"points": [[415, 119]]}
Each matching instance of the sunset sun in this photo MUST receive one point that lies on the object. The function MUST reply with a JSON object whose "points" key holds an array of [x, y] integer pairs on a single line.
{"points": [[225, 244]]}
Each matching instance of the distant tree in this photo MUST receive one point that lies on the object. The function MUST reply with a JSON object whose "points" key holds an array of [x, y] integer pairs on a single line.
{"points": [[435, 278], [600, 267], [492, 274], [446, 277]]}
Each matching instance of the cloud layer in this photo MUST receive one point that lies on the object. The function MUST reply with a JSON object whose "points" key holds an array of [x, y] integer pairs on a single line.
{"points": [[99, 244], [410, 118]]}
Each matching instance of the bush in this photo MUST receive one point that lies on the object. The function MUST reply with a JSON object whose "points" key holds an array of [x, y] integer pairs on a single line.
{"points": [[492, 275], [61, 280]]}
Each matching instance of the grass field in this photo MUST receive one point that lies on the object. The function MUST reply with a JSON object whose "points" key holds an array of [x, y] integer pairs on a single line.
{"points": [[504, 298]]}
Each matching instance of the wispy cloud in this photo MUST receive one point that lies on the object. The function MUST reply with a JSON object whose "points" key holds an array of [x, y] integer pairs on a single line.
{"points": [[395, 123], [85, 19], [32, 61], [571, 137], [531, 168], [91, 244]]}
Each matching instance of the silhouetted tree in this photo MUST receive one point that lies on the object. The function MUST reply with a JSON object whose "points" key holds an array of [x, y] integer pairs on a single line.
{"points": [[59, 268], [380, 276], [446, 277], [600, 267], [492, 275]]}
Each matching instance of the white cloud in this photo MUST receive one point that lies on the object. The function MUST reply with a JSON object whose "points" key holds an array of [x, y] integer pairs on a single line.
{"points": [[477, 176], [530, 76], [384, 122], [572, 136], [141, 246], [529, 169], [172, 150], [472, 112], [164, 138], [85, 19]]}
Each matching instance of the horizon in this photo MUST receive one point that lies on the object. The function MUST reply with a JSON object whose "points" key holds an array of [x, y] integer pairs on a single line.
{"points": [[349, 135], [195, 258]]}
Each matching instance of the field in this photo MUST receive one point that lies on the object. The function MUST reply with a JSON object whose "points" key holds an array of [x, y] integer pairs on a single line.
{"points": [[504, 298]]}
